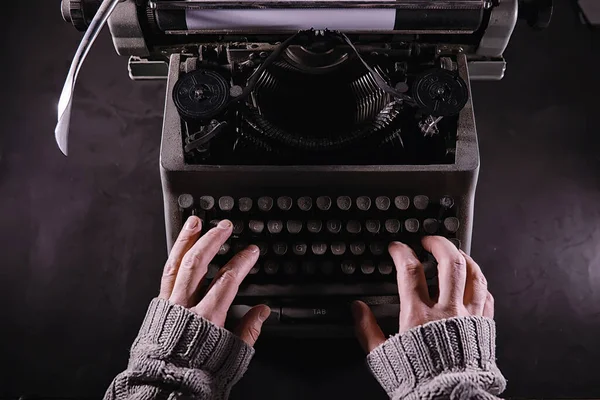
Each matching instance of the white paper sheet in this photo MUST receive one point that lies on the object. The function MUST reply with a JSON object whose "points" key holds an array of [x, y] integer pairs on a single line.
{"points": [[292, 19]]}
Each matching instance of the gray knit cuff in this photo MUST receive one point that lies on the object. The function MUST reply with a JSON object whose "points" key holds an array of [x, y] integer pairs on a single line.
{"points": [[436, 355], [178, 336]]}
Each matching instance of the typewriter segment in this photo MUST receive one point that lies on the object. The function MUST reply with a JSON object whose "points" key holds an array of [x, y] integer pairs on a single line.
{"points": [[319, 102]]}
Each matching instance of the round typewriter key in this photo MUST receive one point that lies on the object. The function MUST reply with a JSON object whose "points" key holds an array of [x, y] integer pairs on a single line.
{"points": [[300, 249], [357, 248], [274, 226], [200, 94], [323, 203], [305, 203], [207, 202], [185, 201], [319, 248], [338, 248], [385, 267], [334, 226], [327, 267], [254, 269], [353, 227], [411, 225], [344, 203], [367, 267], [238, 227], [392, 225], [256, 226], [284, 203], [373, 226], [271, 267], [451, 224], [421, 202], [363, 203], [455, 242], [447, 202], [265, 203], [348, 267], [290, 267], [263, 248], [431, 226], [224, 249], [226, 203], [245, 204], [309, 267], [314, 226], [402, 202], [212, 270], [280, 248], [294, 226], [382, 203], [377, 248]]}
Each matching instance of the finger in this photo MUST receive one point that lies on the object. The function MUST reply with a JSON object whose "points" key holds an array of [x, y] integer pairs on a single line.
{"points": [[452, 270], [250, 325], [367, 330], [186, 239], [222, 291], [194, 264], [475, 287], [488, 308], [412, 285]]}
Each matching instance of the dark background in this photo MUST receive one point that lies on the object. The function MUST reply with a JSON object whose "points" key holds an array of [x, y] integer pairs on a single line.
{"points": [[82, 240]]}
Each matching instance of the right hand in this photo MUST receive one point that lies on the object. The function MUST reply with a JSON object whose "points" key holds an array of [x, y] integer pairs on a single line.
{"points": [[462, 290]]}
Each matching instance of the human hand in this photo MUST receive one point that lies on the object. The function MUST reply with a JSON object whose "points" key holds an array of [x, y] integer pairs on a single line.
{"points": [[187, 267], [462, 290]]}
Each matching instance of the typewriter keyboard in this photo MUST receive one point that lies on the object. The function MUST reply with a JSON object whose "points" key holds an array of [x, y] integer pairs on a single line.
{"points": [[325, 239]]}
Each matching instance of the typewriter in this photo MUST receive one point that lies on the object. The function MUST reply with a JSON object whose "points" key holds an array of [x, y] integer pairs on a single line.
{"points": [[322, 129]]}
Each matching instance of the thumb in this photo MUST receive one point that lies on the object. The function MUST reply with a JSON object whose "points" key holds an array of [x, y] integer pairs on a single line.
{"points": [[250, 325], [368, 332]]}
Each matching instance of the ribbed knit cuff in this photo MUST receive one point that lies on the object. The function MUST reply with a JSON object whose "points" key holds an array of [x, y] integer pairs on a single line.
{"points": [[176, 335], [442, 353]]}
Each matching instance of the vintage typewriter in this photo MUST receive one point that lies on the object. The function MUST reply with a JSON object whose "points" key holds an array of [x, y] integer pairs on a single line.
{"points": [[322, 129]]}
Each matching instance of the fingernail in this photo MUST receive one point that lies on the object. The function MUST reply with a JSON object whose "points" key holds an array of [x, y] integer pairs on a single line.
{"points": [[225, 224], [191, 223], [265, 312], [252, 249]]}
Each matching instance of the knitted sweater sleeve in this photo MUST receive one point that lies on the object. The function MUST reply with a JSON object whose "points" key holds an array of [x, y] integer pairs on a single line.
{"points": [[180, 355], [447, 359]]}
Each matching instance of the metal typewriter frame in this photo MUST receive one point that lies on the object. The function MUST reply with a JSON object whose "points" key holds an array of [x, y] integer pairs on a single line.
{"points": [[458, 180]]}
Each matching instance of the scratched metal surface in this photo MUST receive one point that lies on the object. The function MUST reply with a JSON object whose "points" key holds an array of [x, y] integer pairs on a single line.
{"points": [[82, 238]]}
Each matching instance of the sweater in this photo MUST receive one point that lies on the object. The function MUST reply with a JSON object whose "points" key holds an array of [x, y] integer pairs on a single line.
{"points": [[178, 355]]}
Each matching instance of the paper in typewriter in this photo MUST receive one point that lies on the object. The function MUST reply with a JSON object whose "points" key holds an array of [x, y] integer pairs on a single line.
{"points": [[292, 19]]}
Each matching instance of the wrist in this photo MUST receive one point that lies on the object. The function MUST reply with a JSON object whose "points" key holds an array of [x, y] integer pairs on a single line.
{"points": [[415, 358]]}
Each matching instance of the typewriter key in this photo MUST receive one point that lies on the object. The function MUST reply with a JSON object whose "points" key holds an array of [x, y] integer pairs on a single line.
{"points": [[314, 226], [431, 226], [440, 93], [382, 203], [385, 267], [373, 226], [200, 94], [452, 224], [412, 225], [185, 201], [324, 203], [363, 203], [367, 267], [348, 267], [402, 202], [357, 248]]}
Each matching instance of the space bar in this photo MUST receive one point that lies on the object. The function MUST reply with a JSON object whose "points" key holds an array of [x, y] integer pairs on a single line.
{"points": [[318, 289]]}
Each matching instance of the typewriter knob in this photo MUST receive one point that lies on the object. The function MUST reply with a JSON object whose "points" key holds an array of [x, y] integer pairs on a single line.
{"points": [[440, 93], [79, 12], [200, 94], [537, 13]]}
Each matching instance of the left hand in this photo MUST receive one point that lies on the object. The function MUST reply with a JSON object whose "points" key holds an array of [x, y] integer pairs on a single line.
{"points": [[187, 266]]}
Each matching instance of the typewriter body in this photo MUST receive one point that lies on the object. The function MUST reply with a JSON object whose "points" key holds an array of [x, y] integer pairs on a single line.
{"points": [[322, 129]]}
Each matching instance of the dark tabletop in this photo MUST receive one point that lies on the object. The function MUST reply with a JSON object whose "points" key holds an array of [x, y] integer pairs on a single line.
{"points": [[83, 237]]}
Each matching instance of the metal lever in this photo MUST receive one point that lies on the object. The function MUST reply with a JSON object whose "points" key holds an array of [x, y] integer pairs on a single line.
{"points": [[65, 103]]}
